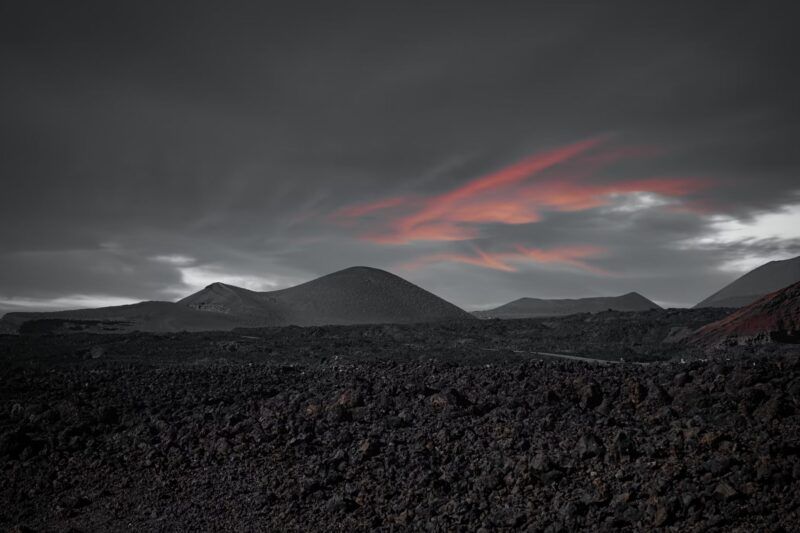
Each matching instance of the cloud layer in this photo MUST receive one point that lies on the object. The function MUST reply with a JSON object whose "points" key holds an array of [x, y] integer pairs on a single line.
{"points": [[484, 152], [563, 179]]}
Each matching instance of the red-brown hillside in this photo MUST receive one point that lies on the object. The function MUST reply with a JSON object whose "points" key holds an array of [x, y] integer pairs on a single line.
{"points": [[772, 318]]}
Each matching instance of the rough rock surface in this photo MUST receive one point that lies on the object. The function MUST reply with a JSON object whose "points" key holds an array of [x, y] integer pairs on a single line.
{"points": [[649, 335], [223, 438]]}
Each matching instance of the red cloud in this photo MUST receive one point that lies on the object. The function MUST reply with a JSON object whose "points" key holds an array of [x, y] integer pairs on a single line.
{"points": [[566, 255], [517, 194]]}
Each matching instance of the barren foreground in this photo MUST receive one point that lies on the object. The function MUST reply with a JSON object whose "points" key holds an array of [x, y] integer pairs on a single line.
{"points": [[97, 442]]}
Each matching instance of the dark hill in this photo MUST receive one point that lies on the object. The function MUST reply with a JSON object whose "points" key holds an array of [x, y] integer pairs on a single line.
{"points": [[773, 318], [536, 307], [358, 295], [765, 279]]}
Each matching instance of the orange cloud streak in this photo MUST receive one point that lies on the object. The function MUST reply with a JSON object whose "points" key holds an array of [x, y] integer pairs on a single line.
{"points": [[508, 197], [446, 206], [566, 255]]}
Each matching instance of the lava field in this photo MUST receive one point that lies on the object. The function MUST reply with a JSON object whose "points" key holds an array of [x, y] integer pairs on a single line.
{"points": [[390, 428]]}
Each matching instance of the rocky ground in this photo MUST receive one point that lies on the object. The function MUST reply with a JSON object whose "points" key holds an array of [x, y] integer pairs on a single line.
{"points": [[266, 432], [634, 336]]}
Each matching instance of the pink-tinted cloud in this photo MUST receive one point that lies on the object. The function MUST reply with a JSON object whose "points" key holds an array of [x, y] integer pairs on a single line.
{"points": [[460, 204], [567, 255], [574, 256], [563, 179]]}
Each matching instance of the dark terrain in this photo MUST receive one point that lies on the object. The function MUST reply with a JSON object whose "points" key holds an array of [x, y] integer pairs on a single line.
{"points": [[425, 427]]}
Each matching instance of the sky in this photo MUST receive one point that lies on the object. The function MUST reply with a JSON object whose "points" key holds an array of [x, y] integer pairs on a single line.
{"points": [[485, 151]]}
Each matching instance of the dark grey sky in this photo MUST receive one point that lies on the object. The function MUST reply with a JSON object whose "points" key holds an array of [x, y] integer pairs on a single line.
{"points": [[486, 151]]}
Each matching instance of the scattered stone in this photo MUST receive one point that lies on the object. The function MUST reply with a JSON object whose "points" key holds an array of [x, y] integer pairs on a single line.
{"points": [[663, 515], [97, 352], [623, 445], [368, 448], [589, 446], [724, 491], [591, 396]]}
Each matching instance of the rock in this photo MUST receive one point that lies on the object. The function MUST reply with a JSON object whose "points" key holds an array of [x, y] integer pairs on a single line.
{"points": [[657, 395], [571, 510], [17, 412], [313, 409], [724, 491], [623, 497], [439, 400], [349, 398], [541, 463], [368, 448], [623, 445], [551, 476], [452, 398], [774, 408], [680, 379], [21, 528], [341, 504], [717, 465], [107, 415], [222, 446], [591, 396], [73, 503], [663, 515], [96, 352], [589, 446]]}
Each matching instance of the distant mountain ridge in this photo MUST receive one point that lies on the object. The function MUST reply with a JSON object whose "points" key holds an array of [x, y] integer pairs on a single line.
{"points": [[537, 307], [763, 280], [356, 295]]}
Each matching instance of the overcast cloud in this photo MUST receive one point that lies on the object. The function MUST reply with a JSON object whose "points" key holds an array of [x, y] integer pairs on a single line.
{"points": [[485, 151]]}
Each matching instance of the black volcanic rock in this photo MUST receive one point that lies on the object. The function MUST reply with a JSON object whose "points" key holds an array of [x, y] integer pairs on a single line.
{"points": [[358, 295], [763, 280], [536, 307], [174, 437]]}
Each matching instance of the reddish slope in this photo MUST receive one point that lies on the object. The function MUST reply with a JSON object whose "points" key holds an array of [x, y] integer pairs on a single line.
{"points": [[772, 318]]}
